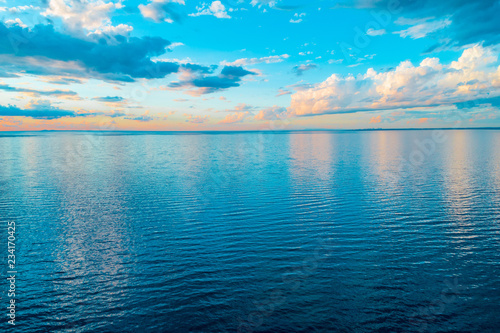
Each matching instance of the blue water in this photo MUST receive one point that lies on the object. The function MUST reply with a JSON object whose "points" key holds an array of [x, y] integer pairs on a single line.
{"points": [[377, 231]]}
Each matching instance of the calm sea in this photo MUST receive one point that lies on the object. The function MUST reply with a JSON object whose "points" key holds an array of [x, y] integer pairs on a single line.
{"points": [[375, 231]]}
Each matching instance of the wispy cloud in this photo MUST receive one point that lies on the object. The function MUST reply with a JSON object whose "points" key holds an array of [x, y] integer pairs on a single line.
{"points": [[421, 30], [453, 22], [196, 119], [67, 94], [241, 107], [282, 92], [216, 9], [254, 61], [300, 69], [297, 18], [372, 32], [235, 118]]}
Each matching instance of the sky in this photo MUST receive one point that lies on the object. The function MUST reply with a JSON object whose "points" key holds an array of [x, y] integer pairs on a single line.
{"points": [[185, 65]]}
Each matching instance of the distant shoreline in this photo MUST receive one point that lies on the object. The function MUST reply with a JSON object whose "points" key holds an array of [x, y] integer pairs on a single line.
{"points": [[258, 131]]}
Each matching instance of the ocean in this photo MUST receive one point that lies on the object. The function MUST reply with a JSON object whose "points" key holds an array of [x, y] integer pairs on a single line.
{"points": [[325, 231]]}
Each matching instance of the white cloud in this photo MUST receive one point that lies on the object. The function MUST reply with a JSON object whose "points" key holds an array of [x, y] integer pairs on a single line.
{"points": [[174, 45], [18, 9], [297, 18], [475, 75], [162, 10], [272, 113], [216, 9], [260, 3], [373, 32], [253, 61], [423, 29], [92, 15], [120, 29], [17, 21]]}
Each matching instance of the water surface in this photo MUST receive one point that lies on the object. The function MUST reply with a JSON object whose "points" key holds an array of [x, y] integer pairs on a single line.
{"points": [[387, 231]]}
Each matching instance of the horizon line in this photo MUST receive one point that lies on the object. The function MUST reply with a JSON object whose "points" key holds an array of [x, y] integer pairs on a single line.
{"points": [[257, 131]]}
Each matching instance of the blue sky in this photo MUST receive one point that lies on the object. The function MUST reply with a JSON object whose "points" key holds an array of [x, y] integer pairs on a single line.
{"points": [[248, 64]]}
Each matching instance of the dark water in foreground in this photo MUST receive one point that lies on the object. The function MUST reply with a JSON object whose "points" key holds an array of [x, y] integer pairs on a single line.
{"points": [[293, 232]]}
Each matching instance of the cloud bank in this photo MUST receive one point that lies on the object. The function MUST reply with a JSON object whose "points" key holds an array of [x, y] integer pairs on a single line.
{"points": [[475, 75], [126, 60]]}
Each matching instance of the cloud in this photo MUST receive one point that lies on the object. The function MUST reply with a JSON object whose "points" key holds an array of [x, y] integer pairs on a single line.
{"points": [[241, 107], [126, 60], [297, 18], [112, 31], [195, 68], [299, 70], [56, 93], [235, 72], [64, 80], [471, 22], [5, 74], [230, 76], [423, 29], [172, 46], [18, 9], [376, 120], [40, 109], [260, 3], [12, 122], [16, 21], [372, 32], [272, 113], [473, 76], [196, 119], [282, 92], [163, 10], [216, 9], [43, 109], [143, 118], [109, 99], [235, 118], [84, 14], [300, 86], [253, 61]]}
